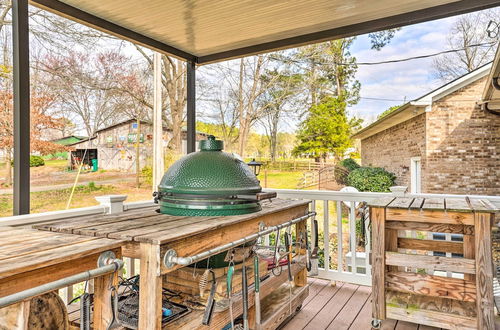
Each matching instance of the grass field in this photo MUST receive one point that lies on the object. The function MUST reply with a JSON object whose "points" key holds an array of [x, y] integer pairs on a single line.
{"points": [[84, 195]]}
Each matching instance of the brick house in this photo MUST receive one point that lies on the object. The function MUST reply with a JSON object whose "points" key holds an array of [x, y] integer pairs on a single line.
{"points": [[443, 142], [115, 146]]}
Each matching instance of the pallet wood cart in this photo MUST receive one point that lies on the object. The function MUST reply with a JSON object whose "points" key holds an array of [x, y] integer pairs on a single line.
{"points": [[30, 258], [149, 235], [405, 285]]}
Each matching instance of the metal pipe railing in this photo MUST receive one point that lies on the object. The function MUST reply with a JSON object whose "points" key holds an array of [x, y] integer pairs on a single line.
{"points": [[171, 259], [113, 266]]}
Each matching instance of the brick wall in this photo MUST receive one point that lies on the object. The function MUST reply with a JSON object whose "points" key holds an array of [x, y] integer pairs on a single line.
{"points": [[393, 148], [463, 144]]}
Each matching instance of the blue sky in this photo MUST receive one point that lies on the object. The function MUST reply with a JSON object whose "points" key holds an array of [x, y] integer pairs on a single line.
{"points": [[397, 81]]}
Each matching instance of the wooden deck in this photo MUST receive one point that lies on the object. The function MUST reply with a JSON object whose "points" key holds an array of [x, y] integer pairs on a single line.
{"points": [[343, 306]]}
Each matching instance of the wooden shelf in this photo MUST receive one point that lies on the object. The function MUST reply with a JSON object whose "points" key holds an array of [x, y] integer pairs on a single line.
{"points": [[219, 320]]}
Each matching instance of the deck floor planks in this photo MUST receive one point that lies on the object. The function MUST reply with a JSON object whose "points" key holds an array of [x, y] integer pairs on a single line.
{"points": [[331, 309], [364, 316], [351, 310], [312, 308], [403, 325], [348, 307]]}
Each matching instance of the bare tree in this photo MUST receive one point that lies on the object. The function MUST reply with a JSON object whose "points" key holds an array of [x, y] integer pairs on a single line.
{"points": [[89, 86], [468, 33]]}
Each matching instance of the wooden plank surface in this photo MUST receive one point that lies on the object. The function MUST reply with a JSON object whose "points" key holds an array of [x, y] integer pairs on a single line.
{"points": [[332, 308], [430, 245], [313, 307], [209, 239], [460, 265], [146, 225], [482, 205], [429, 285], [430, 216], [436, 319], [268, 209], [401, 203], [417, 203], [484, 270], [434, 204], [457, 205], [381, 202], [69, 224], [377, 215], [434, 227], [350, 310], [47, 250], [436, 304]]}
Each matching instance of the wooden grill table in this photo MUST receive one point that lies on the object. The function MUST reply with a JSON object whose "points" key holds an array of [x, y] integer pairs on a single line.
{"points": [[405, 285], [148, 235], [30, 258]]}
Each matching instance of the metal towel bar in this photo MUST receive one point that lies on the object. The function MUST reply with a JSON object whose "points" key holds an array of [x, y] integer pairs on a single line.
{"points": [[170, 259]]}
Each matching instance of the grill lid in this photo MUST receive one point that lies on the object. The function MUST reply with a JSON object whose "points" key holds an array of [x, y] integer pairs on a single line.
{"points": [[209, 182]]}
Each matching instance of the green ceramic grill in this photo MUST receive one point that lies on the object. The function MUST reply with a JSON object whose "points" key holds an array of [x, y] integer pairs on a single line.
{"points": [[209, 182]]}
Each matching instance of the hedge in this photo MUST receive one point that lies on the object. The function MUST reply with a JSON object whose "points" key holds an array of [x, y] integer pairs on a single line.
{"points": [[374, 179]]}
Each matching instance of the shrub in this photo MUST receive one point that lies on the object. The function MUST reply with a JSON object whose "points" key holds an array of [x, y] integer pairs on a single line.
{"points": [[350, 164], [36, 161], [147, 174], [373, 179], [342, 170]]}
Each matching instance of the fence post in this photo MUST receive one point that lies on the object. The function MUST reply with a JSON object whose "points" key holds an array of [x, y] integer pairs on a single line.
{"points": [[113, 203]]}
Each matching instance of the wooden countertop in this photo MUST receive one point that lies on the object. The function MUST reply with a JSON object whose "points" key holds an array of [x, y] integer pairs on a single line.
{"points": [[148, 226], [456, 204], [26, 250]]}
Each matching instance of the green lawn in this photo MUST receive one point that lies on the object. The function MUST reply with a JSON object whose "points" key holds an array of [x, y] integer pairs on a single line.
{"points": [[280, 180]]}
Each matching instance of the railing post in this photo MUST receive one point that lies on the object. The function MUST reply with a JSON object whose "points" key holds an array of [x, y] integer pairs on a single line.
{"points": [[326, 234], [113, 203], [340, 266]]}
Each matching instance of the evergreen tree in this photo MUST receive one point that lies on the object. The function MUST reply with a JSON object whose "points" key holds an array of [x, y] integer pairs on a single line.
{"points": [[325, 130]]}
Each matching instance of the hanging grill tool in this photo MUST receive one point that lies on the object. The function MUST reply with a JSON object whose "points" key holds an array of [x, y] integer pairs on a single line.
{"points": [[229, 286], [314, 253], [244, 288], [257, 291], [209, 310]]}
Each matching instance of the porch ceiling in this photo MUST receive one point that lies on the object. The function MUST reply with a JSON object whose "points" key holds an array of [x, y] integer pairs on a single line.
{"points": [[207, 31]]}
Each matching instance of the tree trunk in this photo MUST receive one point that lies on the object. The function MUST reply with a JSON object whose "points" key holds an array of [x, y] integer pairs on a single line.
{"points": [[138, 155], [8, 168]]}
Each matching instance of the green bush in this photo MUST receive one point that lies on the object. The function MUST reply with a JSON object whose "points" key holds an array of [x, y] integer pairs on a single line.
{"points": [[147, 174], [350, 164], [36, 161], [373, 179], [342, 170]]}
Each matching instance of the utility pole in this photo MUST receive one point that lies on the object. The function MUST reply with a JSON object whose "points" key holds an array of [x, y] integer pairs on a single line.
{"points": [[158, 158], [138, 154]]}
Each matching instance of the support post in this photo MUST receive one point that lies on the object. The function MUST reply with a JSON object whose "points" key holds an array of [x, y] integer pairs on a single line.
{"points": [[191, 107], [158, 161], [21, 70]]}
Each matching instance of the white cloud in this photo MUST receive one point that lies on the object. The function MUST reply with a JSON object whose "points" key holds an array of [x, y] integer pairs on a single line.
{"points": [[403, 80]]}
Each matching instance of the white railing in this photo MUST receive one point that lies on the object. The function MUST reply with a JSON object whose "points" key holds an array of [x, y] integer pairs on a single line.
{"points": [[343, 258], [347, 262]]}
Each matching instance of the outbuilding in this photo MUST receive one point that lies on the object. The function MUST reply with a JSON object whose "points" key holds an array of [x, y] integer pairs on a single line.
{"points": [[114, 146]]}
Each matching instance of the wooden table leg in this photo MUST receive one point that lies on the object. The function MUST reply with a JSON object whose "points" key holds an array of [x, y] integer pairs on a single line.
{"points": [[301, 277], [484, 271], [103, 312], [150, 286], [377, 216]]}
